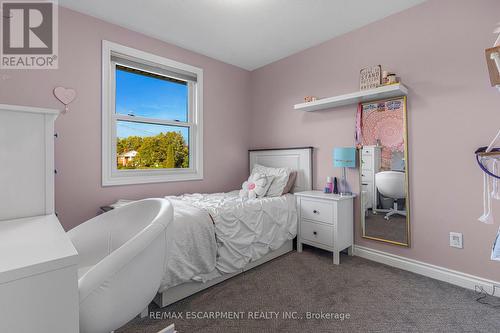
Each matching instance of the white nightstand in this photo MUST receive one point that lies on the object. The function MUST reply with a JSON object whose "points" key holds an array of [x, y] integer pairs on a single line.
{"points": [[326, 222]]}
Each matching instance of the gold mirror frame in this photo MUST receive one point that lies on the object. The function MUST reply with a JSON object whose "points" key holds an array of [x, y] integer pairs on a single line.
{"points": [[407, 183]]}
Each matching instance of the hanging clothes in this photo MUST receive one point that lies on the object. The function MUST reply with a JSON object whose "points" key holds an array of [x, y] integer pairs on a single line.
{"points": [[357, 134]]}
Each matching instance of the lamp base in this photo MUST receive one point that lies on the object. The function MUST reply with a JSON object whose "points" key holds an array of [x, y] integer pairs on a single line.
{"points": [[344, 186]]}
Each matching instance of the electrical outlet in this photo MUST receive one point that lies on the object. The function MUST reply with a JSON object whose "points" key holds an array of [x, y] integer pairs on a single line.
{"points": [[456, 240]]}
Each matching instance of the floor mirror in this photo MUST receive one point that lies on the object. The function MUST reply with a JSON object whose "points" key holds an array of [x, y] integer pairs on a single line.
{"points": [[383, 155]]}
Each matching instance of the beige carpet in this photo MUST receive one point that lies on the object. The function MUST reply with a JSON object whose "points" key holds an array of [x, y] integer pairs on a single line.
{"points": [[378, 298]]}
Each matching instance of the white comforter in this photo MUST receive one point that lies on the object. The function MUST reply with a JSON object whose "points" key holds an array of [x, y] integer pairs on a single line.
{"points": [[245, 229], [191, 245], [213, 234]]}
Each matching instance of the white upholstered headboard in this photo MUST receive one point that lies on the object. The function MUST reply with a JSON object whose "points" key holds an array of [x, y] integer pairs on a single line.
{"points": [[299, 159]]}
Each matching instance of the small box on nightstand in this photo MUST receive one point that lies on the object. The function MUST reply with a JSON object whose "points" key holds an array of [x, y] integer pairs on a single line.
{"points": [[326, 222]]}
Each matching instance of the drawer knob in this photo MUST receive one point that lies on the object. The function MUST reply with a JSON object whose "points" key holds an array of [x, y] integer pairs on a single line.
{"points": [[315, 233], [316, 211]]}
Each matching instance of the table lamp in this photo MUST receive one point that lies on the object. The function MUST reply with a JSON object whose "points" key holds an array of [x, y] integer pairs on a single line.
{"points": [[344, 157]]}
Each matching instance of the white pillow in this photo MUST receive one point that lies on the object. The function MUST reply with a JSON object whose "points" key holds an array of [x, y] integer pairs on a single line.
{"points": [[256, 186], [280, 178]]}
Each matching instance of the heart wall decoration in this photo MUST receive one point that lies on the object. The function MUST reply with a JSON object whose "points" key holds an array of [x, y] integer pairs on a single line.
{"points": [[65, 96]]}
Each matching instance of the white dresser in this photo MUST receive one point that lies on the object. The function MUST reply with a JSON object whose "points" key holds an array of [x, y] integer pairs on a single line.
{"points": [[38, 263], [38, 277], [326, 222], [370, 165]]}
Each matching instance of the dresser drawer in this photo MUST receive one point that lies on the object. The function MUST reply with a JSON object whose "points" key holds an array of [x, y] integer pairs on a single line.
{"points": [[366, 175], [367, 151], [367, 198], [367, 162], [316, 232], [317, 210]]}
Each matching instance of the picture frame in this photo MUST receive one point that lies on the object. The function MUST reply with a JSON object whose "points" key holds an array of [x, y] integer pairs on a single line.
{"points": [[493, 70], [370, 77]]}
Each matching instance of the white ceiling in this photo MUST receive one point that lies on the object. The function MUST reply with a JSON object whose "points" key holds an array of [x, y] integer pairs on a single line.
{"points": [[245, 33]]}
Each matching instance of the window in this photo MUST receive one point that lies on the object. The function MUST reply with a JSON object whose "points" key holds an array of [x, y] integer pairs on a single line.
{"points": [[152, 118]]}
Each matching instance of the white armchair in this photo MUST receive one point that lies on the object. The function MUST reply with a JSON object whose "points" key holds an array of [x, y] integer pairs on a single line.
{"points": [[122, 256]]}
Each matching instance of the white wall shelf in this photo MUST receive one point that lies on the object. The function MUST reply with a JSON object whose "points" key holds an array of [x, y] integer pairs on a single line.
{"points": [[383, 92]]}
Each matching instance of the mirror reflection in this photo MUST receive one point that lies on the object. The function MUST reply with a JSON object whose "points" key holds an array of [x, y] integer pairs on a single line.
{"points": [[384, 175]]}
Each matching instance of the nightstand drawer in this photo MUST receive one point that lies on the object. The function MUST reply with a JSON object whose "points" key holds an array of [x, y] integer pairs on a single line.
{"points": [[317, 210], [316, 232]]}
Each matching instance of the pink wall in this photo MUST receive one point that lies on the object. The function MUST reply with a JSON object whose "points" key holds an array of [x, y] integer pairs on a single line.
{"points": [[438, 50], [78, 149]]}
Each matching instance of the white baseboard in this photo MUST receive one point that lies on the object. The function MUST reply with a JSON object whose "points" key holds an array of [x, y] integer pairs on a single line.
{"points": [[436, 272]]}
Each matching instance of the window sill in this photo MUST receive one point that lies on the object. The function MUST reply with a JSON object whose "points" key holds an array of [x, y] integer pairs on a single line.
{"points": [[117, 180]]}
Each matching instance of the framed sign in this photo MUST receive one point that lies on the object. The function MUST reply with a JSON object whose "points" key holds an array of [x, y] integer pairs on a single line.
{"points": [[370, 77]]}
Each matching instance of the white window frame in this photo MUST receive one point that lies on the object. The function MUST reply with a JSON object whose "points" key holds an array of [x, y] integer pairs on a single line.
{"points": [[110, 174]]}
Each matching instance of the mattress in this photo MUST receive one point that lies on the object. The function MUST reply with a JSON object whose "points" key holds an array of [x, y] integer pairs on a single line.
{"points": [[244, 231]]}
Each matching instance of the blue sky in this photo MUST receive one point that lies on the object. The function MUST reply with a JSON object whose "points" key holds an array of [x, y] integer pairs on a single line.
{"points": [[150, 97]]}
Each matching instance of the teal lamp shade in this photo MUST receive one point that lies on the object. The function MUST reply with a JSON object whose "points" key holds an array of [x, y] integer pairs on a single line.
{"points": [[344, 157]]}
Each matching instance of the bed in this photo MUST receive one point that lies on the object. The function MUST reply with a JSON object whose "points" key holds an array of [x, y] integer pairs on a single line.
{"points": [[246, 233]]}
